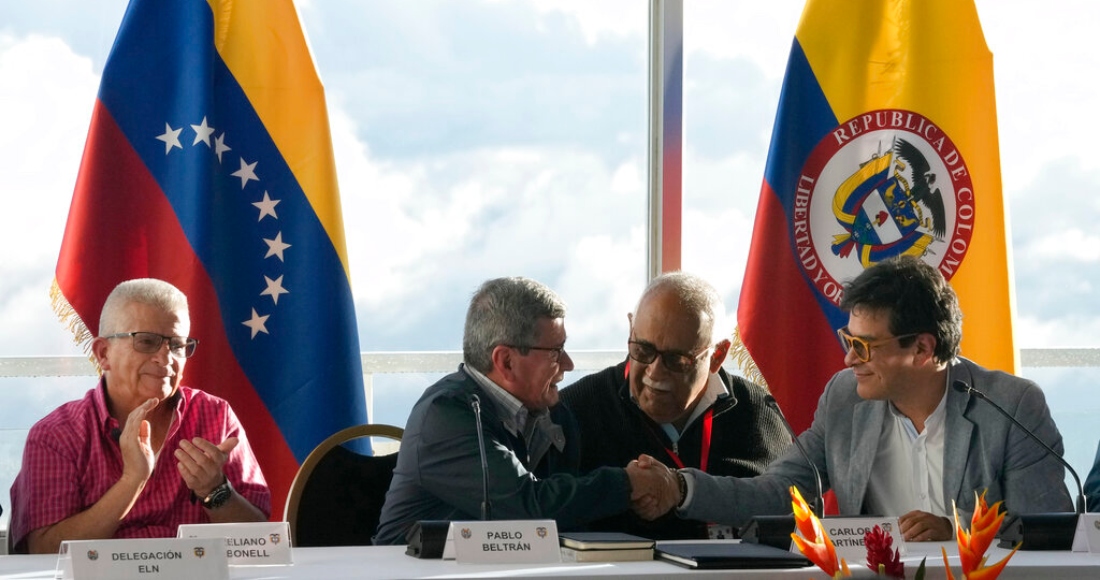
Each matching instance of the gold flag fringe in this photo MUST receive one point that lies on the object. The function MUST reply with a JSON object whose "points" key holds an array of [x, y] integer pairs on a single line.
{"points": [[71, 320], [740, 355]]}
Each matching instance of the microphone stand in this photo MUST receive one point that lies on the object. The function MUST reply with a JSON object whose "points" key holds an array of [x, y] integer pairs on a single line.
{"points": [[819, 500], [486, 507], [1049, 531], [776, 531]]}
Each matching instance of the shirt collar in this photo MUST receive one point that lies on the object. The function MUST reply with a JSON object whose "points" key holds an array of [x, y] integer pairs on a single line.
{"points": [[516, 416], [714, 389], [932, 422], [110, 427], [508, 407]]}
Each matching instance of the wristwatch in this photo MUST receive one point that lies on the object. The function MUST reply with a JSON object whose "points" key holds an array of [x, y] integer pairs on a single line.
{"points": [[682, 484], [218, 496]]}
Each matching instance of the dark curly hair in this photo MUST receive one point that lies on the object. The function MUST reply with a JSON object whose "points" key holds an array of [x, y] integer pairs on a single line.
{"points": [[917, 298]]}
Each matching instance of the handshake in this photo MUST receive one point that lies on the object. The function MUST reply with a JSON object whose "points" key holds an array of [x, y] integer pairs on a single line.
{"points": [[655, 489]]}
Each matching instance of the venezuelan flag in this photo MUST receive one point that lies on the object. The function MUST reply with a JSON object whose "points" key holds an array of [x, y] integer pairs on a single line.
{"points": [[209, 164], [884, 143]]}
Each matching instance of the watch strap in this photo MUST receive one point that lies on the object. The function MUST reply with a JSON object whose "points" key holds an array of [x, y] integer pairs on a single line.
{"points": [[218, 496]]}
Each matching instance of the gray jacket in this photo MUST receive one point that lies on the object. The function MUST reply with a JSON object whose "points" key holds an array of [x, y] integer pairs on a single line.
{"points": [[982, 450]]}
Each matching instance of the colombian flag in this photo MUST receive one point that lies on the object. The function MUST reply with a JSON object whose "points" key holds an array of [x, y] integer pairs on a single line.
{"points": [[885, 143], [209, 164]]}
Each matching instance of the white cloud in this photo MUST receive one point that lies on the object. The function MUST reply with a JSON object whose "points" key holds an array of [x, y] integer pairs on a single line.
{"points": [[1060, 332], [602, 283], [1044, 69], [1071, 245], [48, 92], [760, 32], [602, 18]]}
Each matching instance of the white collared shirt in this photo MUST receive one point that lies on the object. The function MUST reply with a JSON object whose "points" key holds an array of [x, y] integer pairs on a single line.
{"points": [[908, 471], [713, 390]]}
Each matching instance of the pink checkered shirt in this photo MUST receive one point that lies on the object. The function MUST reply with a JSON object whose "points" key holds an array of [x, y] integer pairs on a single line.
{"points": [[71, 459]]}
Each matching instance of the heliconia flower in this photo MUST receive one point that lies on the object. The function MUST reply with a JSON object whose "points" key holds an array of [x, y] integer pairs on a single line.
{"points": [[879, 557], [984, 525], [813, 541]]}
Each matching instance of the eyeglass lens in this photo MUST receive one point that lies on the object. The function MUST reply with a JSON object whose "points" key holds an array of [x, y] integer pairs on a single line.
{"points": [[150, 342], [673, 361]]}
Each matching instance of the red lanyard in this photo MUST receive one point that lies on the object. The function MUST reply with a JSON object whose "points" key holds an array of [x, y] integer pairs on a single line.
{"points": [[708, 425]]}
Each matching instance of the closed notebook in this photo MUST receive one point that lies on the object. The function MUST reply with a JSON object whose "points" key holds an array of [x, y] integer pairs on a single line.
{"points": [[627, 555], [603, 541], [729, 555]]}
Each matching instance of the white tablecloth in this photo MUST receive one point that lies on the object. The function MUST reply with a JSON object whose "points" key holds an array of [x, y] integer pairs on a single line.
{"points": [[389, 562]]}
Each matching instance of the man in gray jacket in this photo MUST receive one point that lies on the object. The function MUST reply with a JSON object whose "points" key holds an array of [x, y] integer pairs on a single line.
{"points": [[891, 436]]}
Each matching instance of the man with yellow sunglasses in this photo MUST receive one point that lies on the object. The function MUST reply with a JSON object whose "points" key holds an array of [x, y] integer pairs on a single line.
{"points": [[892, 435]]}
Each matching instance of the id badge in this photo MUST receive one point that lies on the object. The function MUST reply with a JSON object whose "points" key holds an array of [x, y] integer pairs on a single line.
{"points": [[720, 532]]}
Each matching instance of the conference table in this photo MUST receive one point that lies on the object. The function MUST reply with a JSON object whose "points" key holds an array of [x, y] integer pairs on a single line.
{"points": [[390, 562]]}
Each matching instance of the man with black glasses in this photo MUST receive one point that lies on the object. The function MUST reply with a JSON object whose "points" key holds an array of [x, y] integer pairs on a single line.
{"points": [[140, 454], [671, 399], [892, 434]]}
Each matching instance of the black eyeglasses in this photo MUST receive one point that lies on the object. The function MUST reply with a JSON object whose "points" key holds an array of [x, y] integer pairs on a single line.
{"points": [[677, 362], [555, 351], [862, 348], [150, 343]]}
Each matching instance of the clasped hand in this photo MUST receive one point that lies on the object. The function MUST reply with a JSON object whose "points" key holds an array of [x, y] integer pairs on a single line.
{"points": [[654, 487]]}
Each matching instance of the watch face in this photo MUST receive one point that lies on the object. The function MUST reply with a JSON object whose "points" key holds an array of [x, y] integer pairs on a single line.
{"points": [[218, 497]]}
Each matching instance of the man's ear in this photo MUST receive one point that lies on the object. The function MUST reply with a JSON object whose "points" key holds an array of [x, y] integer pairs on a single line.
{"points": [[99, 351], [503, 360], [719, 355], [926, 346]]}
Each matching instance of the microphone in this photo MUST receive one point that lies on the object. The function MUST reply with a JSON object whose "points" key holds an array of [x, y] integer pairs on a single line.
{"points": [[1036, 531], [962, 387], [486, 507], [428, 538], [819, 500]]}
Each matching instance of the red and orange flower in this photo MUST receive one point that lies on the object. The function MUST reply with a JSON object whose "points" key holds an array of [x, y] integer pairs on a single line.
{"points": [[813, 541], [984, 525]]}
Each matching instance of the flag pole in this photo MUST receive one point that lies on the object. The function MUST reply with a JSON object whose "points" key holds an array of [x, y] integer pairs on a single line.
{"points": [[665, 128]]}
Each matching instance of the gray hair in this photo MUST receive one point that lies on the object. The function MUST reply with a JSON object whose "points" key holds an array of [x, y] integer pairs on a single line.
{"points": [[156, 293], [696, 295], [506, 311]]}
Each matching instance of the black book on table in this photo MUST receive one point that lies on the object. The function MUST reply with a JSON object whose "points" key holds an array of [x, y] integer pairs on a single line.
{"points": [[729, 555], [603, 541]]}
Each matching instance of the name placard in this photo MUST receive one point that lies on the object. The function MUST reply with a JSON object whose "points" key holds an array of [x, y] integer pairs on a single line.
{"points": [[156, 559], [1087, 536], [847, 535], [247, 544], [506, 542]]}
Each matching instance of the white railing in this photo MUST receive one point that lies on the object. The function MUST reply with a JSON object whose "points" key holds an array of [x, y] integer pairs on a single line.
{"points": [[381, 363], [445, 361]]}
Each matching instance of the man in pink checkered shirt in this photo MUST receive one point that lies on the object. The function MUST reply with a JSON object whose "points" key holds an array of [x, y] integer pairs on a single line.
{"points": [[139, 454]]}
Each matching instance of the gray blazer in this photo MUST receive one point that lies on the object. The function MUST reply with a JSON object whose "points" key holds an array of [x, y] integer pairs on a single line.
{"points": [[982, 450]]}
